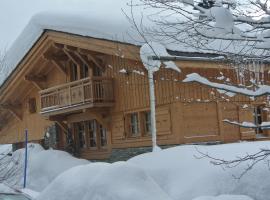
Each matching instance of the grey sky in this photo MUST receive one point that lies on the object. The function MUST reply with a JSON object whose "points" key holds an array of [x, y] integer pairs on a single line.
{"points": [[15, 14]]}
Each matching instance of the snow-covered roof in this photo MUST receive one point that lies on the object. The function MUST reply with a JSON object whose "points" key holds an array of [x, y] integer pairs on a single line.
{"points": [[98, 21]]}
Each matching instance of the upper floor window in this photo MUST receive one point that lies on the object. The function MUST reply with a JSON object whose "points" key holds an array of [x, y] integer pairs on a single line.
{"points": [[78, 72], [84, 71], [73, 72]]}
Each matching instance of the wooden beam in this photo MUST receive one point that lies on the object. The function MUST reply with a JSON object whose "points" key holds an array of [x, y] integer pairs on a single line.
{"points": [[73, 57], [84, 59], [95, 60], [63, 126], [37, 78], [58, 45], [59, 66], [38, 85], [55, 60], [16, 110]]}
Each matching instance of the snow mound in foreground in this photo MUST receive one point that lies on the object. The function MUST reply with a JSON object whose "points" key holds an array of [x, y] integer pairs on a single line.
{"points": [[46, 165], [183, 176], [174, 173], [100, 181], [43, 166], [225, 197]]}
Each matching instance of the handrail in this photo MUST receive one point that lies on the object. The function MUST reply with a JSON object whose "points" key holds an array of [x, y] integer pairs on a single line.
{"points": [[63, 85], [87, 90]]}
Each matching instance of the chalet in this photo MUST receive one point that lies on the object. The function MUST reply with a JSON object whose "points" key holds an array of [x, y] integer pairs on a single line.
{"points": [[89, 92]]}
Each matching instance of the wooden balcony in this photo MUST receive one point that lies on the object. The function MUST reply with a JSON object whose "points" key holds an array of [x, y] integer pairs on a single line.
{"points": [[73, 96]]}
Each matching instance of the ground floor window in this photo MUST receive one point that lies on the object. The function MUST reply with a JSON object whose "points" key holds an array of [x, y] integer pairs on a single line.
{"points": [[103, 136], [90, 134], [138, 124], [259, 117], [147, 122]]}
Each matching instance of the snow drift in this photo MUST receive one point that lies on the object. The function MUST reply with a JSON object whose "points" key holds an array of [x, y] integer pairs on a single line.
{"points": [[98, 181], [43, 166], [173, 173]]}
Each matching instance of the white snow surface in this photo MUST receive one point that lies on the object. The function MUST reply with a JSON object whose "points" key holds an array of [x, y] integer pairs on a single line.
{"points": [[155, 49], [7, 190], [231, 90], [170, 174], [43, 166]]}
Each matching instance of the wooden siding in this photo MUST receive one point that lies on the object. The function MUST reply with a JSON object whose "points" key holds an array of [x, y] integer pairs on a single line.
{"points": [[186, 112]]}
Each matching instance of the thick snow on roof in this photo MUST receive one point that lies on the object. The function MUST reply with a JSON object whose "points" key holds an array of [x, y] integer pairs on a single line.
{"points": [[101, 19]]}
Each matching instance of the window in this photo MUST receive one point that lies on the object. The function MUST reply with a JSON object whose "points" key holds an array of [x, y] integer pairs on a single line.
{"points": [[32, 105], [73, 72], [103, 136], [82, 135], [147, 122], [84, 71], [134, 124], [97, 71], [259, 117], [92, 134], [138, 124]]}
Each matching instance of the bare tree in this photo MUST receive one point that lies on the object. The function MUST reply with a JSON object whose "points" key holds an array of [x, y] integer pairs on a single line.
{"points": [[238, 30], [229, 27]]}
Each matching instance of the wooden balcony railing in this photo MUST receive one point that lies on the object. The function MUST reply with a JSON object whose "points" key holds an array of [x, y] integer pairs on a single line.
{"points": [[86, 92]]}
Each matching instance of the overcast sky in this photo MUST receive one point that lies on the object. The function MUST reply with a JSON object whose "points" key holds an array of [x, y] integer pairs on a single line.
{"points": [[15, 14]]}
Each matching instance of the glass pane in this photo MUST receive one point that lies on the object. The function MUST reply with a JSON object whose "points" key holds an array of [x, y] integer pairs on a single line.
{"points": [[92, 133], [134, 124], [81, 133], [74, 73], [103, 136], [84, 71], [148, 122]]}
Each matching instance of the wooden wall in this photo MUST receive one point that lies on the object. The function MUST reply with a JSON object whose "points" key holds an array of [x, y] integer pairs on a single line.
{"points": [[186, 112], [13, 132]]}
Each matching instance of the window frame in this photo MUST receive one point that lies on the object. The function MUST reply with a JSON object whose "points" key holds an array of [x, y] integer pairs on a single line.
{"points": [[87, 138], [141, 124]]}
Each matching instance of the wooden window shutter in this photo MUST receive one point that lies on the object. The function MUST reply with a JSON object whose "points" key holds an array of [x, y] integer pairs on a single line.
{"points": [[32, 105]]}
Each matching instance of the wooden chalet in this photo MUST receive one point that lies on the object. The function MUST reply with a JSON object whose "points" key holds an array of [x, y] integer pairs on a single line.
{"points": [[95, 94]]}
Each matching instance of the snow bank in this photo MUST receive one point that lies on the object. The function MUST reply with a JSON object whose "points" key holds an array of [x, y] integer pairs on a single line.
{"points": [[43, 166], [173, 173], [183, 176], [4, 189], [100, 181], [5, 148]]}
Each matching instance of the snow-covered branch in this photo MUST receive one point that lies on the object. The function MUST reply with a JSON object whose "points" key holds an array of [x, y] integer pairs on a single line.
{"points": [[207, 24], [263, 125], [248, 160], [261, 91]]}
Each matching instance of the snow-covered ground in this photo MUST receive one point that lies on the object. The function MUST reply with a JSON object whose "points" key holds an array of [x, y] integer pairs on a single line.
{"points": [[172, 174]]}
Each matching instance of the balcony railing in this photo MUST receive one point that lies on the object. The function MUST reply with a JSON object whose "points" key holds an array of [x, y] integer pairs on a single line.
{"points": [[88, 92]]}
